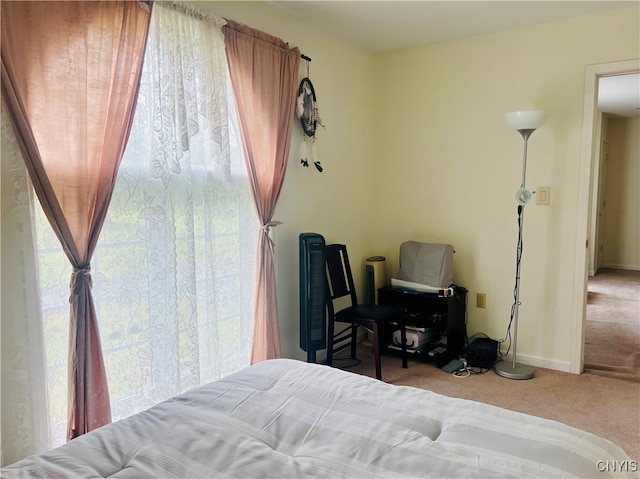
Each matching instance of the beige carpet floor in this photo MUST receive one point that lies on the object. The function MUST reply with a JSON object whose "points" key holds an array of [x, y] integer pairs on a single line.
{"points": [[605, 406], [612, 334]]}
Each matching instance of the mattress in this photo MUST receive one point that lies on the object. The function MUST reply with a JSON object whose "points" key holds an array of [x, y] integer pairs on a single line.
{"points": [[289, 419]]}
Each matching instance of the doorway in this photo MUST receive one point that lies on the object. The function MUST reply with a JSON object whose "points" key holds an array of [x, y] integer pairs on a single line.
{"points": [[612, 334], [586, 211]]}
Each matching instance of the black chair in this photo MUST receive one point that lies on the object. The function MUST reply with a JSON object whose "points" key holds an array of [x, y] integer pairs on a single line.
{"points": [[371, 316]]}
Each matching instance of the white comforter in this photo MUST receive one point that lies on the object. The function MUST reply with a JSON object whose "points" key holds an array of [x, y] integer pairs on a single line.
{"points": [[289, 419]]}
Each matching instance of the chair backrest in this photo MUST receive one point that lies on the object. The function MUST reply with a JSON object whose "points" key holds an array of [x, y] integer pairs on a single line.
{"points": [[339, 277]]}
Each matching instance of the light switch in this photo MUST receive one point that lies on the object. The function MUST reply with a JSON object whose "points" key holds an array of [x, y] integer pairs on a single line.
{"points": [[543, 195]]}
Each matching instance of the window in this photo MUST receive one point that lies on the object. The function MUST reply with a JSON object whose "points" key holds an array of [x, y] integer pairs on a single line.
{"points": [[173, 271]]}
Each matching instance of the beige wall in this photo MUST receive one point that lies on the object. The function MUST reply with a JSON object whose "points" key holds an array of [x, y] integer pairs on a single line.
{"points": [[416, 147], [598, 180], [453, 164], [622, 220]]}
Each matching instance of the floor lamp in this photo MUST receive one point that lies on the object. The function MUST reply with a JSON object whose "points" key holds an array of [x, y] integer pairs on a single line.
{"points": [[526, 122]]}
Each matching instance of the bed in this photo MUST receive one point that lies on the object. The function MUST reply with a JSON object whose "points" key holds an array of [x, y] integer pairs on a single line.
{"points": [[284, 418]]}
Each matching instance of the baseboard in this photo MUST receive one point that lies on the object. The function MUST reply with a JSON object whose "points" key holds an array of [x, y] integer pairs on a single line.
{"points": [[626, 267], [321, 356], [562, 366]]}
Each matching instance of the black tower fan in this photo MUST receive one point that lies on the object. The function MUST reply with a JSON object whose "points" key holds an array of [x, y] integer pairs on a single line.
{"points": [[313, 323]]}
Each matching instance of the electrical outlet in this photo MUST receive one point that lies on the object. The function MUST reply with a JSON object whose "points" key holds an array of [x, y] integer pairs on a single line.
{"points": [[481, 300]]}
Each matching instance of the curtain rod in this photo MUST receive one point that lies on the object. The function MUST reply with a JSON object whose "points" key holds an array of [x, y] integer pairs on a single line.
{"points": [[304, 57]]}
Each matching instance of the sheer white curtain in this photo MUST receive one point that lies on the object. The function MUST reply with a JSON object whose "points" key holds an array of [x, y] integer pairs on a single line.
{"points": [[174, 268], [24, 421], [177, 251]]}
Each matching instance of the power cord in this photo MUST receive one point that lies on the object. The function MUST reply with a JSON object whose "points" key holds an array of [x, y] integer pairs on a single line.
{"points": [[345, 363], [463, 372], [515, 288]]}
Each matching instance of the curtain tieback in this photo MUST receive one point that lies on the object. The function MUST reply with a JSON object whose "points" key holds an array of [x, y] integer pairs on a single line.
{"points": [[266, 228], [271, 224], [79, 278]]}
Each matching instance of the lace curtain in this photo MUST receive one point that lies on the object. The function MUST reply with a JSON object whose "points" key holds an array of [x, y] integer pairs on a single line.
{"points": [[179, 244], [24, 421], [173, 271]]}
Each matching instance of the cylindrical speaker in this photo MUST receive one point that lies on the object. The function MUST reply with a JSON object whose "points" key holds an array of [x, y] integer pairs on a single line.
{"points": [[375, 278]]}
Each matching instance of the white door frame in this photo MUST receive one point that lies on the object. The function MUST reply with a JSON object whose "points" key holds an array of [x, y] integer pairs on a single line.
{"points": [[599, 212], [585, 194]]}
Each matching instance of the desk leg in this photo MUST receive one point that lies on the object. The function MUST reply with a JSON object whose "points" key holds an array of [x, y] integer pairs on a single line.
{"points": [[403, 338]]}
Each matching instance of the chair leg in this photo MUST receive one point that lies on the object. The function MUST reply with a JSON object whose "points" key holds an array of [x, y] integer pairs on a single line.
{"points": [[376, 352], [354, 340], [330, 332]]}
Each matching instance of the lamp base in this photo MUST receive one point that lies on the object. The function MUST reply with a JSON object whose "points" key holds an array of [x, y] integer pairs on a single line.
{"points": [[506, 370]]}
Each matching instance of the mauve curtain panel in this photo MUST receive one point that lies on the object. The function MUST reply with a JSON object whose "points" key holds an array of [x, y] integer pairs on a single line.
{"points": [[264, 72], [70, 75]]}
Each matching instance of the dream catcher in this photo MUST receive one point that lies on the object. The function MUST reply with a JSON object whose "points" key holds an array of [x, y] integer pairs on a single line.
{"points": [[307, 112]]}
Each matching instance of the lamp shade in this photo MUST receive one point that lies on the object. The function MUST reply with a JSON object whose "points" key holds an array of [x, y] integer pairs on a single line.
{"points": [[526, 120]]}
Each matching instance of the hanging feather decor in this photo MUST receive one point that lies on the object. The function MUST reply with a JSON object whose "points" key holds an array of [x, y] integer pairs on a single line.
{"points": [[307, 112]]}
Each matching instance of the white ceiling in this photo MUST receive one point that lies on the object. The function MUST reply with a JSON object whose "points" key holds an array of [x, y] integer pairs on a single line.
{"points": [[382, 26], [620, 95]]}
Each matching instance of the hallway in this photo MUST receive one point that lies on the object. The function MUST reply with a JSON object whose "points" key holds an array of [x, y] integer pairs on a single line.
{"points": [[612, 335]]}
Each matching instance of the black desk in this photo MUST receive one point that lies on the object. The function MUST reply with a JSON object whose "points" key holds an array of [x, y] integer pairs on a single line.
{"points": [[445, 314]]}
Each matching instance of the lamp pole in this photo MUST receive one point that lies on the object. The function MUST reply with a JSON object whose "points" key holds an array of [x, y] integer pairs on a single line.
{"points": [[526, 122]]}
